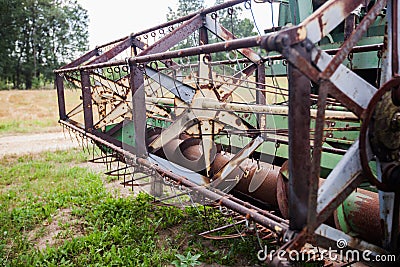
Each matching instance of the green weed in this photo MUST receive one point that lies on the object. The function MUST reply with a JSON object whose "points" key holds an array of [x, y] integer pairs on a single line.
{"points": [[100, 230]]}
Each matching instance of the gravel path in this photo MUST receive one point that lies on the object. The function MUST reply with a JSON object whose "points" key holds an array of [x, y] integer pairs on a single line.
{"points": [[35, 143]]}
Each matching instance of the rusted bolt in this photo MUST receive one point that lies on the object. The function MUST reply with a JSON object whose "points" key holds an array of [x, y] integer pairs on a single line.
{"points": [[308, 46], [284, 41], [395, 122]]}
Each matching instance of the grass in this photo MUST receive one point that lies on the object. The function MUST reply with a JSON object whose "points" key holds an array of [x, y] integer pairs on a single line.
{"points": [[99, 229], [31, 111]]}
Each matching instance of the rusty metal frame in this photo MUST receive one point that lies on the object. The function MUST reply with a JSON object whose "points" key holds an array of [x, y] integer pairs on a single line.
{"points": [[299, 141], [87, 100], [138, 109], [61, 97], [309, 205]]}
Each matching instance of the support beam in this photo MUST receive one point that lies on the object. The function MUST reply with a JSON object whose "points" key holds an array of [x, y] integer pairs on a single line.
{"points": [[299, 144], [138, 110], [174, 37], [87, 101], [110, 54], [61, 97]]}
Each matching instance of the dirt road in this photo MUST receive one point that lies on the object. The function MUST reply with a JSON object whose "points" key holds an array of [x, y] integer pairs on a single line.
{"points": [[35, 143]]}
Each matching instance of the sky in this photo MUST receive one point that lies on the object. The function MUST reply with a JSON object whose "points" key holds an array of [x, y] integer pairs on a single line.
{"points": [[114, 19]]}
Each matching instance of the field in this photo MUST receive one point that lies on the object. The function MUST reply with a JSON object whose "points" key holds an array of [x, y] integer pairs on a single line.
{"points": [[58, 210], [31, 111]]}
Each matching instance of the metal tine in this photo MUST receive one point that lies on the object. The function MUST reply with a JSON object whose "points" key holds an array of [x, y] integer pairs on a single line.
{"points": [[118, 169], [106, 158], [110, 159], [110, 173], [114, 158], [87, 145], [95, 160], [135, 180], [170, 197], [63, 128], [126, 167], [103, 157], [222, 228], [70, 135], [131, 183], [81, 139], [225, 236], [77, 139], [132, 173]]}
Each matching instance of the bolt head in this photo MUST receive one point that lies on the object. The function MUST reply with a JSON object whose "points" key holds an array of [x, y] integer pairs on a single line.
{"points": [[395, 123]]}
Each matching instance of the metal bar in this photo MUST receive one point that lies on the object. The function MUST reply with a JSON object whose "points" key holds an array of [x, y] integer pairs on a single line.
{"points": [[174, 37], [349, 25], [395, 37], [112, 52], [351, 90], [139, 44], [294, 56], [138, 109], [333, 51], [204, 70], [113, 42], [271, 109], [317, 153], [87, 101], [261, 98], [346, 47], [395, 223], [82, 59], [299, 141], [61, 97], [222, 228], [267, 42]]}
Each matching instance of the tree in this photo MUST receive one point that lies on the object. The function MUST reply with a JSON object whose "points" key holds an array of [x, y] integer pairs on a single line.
{"points": [[185, 7], [38, 36]]}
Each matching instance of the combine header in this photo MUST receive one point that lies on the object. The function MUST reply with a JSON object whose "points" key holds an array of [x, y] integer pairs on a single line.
{"points": [[296, 130]]}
